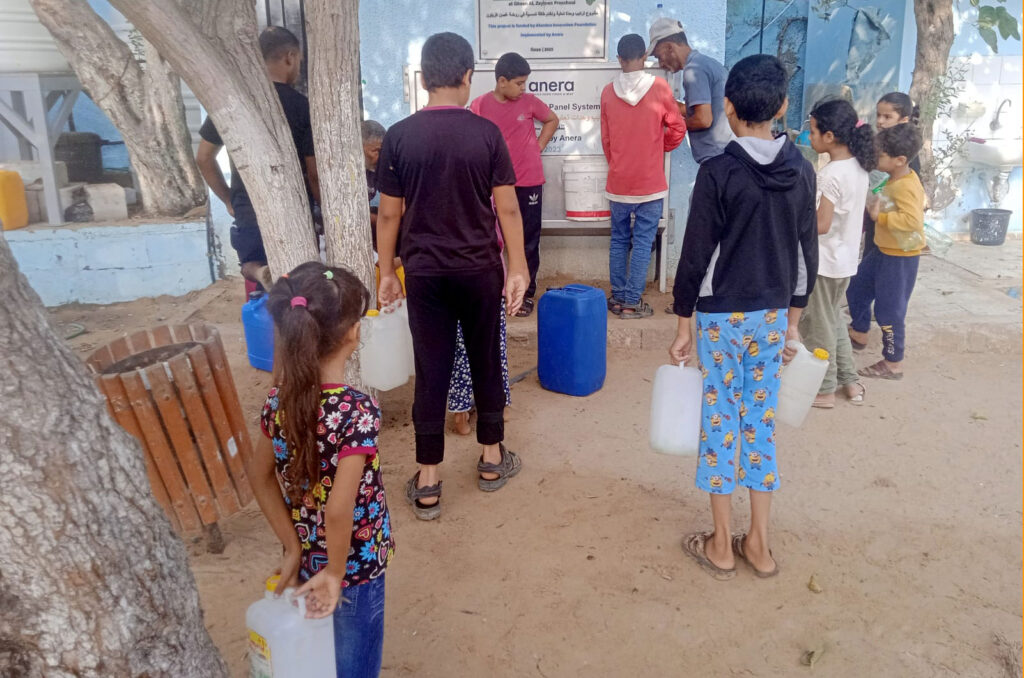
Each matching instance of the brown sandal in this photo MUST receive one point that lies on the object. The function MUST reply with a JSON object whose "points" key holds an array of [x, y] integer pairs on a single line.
{"points": [[738, 540], [880, 371], [695, 546], [824, 401]]}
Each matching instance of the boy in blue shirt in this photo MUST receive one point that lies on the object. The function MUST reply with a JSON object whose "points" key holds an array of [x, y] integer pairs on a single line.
{"points": [[749, 253]]}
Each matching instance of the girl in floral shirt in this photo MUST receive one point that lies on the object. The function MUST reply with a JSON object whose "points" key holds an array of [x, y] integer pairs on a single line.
{"points": [[317, 474]]}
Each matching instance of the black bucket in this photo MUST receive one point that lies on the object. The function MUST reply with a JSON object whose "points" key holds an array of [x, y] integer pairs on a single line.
{"points": [[988, 227]]}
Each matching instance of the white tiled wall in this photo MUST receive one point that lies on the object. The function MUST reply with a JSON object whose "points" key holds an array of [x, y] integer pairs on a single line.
{"points": [[991, 80]]}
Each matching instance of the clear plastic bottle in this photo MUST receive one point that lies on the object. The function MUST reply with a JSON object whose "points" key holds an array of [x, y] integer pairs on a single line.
{"points": [[801, 380], [676, 410], [659, 13]]}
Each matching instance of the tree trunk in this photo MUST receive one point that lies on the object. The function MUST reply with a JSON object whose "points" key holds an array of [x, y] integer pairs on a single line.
{"points": [[934, 19], [93, 582], [144, 103], [212, 45], [334, 86]]}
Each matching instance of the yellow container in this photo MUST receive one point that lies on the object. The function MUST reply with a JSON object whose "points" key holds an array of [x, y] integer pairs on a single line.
{"points": [[13, 206]]}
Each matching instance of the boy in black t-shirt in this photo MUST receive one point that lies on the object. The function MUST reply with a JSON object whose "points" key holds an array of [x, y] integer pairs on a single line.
{"points": [[443, 165], [282, 54]]}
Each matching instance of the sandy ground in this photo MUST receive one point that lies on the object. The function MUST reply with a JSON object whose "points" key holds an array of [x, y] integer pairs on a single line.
{"points": [[906, 511]]}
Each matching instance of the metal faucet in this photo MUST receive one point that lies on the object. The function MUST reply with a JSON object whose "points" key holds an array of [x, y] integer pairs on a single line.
{"points": [[995, 124]]}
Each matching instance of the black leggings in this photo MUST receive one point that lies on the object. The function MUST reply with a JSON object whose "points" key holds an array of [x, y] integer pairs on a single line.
{"points": [[436, 305]]}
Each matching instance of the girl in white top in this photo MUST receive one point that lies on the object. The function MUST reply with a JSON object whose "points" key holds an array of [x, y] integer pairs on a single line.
{"points": [[842, 192]]}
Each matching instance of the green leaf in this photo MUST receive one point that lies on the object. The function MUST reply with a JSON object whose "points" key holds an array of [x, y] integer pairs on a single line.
{"points": [[975, 3], [990, 37], [987, 16], [1007, 24]]}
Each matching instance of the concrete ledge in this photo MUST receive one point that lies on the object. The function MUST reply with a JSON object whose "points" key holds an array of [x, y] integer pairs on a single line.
{"points": [[960, 304], [656, 334], [102, 264]]}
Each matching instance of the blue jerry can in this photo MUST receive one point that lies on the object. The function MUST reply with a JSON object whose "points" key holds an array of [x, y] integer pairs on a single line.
{"points": [[572, 329], [259, 332]]}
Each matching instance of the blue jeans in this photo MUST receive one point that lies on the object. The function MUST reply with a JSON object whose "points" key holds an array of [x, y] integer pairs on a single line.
{"points": [[359, 630], [628, 272]]}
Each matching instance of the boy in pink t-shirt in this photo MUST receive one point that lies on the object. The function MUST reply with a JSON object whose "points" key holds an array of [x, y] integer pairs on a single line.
{"points": [[514, 111]]}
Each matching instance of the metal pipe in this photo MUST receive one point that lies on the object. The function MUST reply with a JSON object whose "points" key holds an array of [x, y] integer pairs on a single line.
{"points": [[760, 39]]}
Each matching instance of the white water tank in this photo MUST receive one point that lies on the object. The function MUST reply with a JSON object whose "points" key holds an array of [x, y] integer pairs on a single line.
{"points": [[584, 180]]}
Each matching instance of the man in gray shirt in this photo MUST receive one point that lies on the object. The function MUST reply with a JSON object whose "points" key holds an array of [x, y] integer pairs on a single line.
{"points": [[703, 86]]}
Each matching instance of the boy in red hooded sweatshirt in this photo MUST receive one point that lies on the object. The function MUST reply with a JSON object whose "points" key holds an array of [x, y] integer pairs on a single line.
{"points": [[640, 122]]}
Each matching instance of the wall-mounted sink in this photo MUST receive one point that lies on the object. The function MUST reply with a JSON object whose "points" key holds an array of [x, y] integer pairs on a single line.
{"points": [[1001, 154]]}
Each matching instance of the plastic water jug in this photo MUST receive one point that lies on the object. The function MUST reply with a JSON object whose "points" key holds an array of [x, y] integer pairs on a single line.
{"points": [[283, 643], [13, 204], [572, 329], [801, 380], [385, 356], [259, 332], [675, 410], [403, 312]]}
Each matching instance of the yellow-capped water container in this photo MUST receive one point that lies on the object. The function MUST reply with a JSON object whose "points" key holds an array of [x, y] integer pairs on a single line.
{"points": [[13, 206], [801, 380]]}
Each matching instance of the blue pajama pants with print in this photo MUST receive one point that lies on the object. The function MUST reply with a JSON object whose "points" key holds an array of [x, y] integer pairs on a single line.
{"points": [[740, 357]]}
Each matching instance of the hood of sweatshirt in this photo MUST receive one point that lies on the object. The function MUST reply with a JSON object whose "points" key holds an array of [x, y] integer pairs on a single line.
{"points": [[631, 87], [775, 165]]}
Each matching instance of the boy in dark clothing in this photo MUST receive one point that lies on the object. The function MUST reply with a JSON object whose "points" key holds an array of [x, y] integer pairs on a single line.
{"points": [[282, 54], [438, 172], [750, 251]]}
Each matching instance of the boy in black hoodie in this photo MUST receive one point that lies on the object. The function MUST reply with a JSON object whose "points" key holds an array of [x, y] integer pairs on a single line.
{"points": [[749, 253]]}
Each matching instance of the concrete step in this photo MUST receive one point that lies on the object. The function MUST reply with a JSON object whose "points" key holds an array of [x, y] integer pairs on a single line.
{"points": [[960, 304]]}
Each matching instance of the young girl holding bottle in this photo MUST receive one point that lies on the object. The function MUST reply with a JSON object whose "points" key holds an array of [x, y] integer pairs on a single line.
{"points": [[316, 474], [842, 193]]}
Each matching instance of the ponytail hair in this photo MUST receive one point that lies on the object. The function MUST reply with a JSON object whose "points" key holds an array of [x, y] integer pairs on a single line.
{"points": [[839, 117], [904, 105], [313, 308]]}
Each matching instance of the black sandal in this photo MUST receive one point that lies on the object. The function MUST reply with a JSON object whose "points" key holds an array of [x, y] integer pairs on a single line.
{"points": [[526, 310], [634, 311], [615, 306], [508, 467], [413, 495]]}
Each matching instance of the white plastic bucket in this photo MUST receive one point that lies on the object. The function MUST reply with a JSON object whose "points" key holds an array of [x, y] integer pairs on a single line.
{"points": [[584, 181]]}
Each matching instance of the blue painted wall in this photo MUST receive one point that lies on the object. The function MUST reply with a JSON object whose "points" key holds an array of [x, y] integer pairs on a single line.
{"points": [[785, 36], [392, 33], [859, 45]]}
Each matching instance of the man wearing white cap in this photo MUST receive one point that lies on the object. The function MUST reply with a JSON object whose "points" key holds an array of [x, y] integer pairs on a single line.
{"points": [[703, 86]]}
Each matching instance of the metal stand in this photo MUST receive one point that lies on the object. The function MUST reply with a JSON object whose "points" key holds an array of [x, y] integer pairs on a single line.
{"points": [[33, 95]]}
